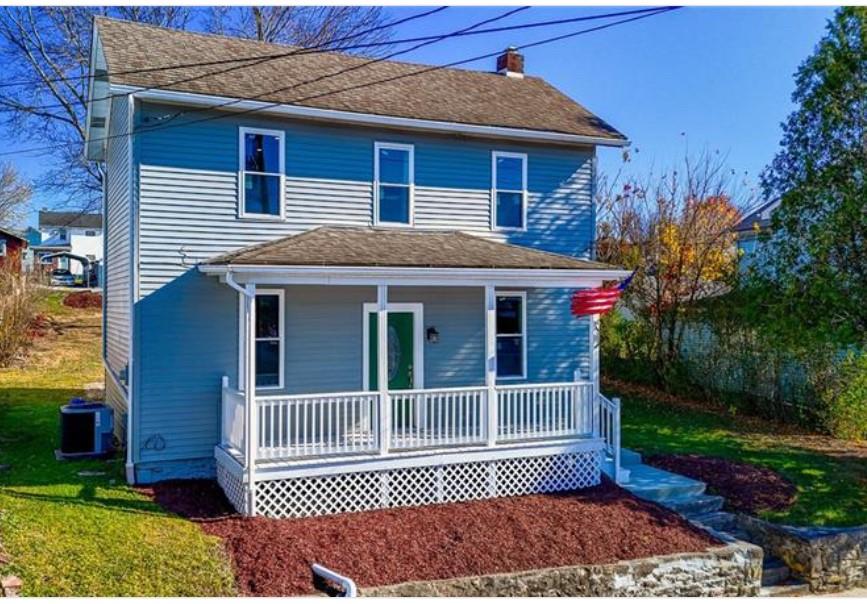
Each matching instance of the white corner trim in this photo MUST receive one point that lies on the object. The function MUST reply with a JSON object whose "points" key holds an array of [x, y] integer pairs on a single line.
{"points": [[417, 310], [367, 119]]}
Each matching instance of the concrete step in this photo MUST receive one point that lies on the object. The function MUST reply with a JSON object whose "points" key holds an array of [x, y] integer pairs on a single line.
{"points": [[608, 469], [774, 572], [628, 457], [655, 484], [720, 521], [694, 504], [785, 590]]}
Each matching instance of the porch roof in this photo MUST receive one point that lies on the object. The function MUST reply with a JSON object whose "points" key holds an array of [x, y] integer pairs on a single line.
{"points": [[333, 246]]}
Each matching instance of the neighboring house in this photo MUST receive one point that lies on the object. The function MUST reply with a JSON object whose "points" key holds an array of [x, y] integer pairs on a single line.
{"points": [[70, 240], [359, 300], [748, 230], [13, 246]]}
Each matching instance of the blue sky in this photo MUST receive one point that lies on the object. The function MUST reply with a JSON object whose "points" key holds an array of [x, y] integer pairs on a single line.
{"points": [[719, 78]]}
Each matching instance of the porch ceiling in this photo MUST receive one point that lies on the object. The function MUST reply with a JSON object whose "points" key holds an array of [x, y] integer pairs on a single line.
{"points": [[332, 246]]}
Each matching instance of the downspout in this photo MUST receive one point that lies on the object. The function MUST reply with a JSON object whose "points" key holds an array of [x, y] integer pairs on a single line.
{"points": [[348, 585], [133, 291]]}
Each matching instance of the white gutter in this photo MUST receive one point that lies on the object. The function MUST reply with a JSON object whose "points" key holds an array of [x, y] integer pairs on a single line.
{"points": [[354, 275], [348, 585], [362, 119]]}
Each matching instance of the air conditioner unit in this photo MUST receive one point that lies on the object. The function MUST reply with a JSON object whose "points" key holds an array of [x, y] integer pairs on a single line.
{"points": [[86, 429]]}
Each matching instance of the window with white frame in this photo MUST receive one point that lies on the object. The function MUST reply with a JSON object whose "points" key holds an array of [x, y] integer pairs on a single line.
{"points": [[393, 177], [511, 335], [261, 173], [509, 190], [269, 339]]}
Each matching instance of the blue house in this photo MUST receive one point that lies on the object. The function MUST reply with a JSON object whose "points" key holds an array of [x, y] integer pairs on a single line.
{"points": [[340, 285]]}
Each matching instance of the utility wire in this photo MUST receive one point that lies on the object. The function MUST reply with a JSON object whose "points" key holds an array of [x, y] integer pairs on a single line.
{"points": [[321, 47], [363, 85]]}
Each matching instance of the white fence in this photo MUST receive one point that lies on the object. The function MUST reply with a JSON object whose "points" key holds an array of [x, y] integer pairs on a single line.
{"points": [[317, 425]]}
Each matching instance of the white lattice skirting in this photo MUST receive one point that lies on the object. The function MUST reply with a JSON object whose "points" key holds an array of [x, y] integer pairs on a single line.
{"points": [[358, 491]]}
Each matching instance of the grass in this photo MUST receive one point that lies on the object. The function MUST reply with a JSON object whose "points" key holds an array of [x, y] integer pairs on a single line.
{"points": [[66, 534], [831, 476]]}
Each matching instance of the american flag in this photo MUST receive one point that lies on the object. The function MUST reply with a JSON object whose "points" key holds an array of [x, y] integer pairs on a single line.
{"points": [[598, 300]]}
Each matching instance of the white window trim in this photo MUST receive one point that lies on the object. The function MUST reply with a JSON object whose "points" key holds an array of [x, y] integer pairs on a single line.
{"points": [[280, 293], [411, 185], [417, 310], [523, 296], [242, 213], [523, 192]]}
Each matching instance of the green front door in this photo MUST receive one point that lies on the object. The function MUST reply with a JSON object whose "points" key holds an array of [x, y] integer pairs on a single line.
{"points": [[400, 350]]}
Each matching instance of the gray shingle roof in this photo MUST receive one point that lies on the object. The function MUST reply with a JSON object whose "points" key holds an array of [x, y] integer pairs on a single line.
{"points": [[370, 246], [70, 219], [449, 95]]}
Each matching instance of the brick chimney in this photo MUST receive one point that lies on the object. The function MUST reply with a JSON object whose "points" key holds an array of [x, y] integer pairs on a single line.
{"points": [[511, 63]]}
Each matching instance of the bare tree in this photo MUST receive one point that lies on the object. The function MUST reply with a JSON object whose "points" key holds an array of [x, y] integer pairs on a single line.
{"points": [[45, 52], [15, 194], [320, 26], [676, 231]]}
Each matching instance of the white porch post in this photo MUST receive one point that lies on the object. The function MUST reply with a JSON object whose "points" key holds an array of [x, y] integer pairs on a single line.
{"points": [[250, 416], [491, 362], [382, 367], [594, 369]]}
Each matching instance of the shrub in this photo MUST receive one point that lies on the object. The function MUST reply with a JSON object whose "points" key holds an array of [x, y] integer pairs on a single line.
{"points": [[846, 400], [17, 312]]}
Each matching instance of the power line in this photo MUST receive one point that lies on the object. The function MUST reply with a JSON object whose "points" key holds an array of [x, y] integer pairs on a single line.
{"points": [[323, 45], [542, 42], [253, 60]]}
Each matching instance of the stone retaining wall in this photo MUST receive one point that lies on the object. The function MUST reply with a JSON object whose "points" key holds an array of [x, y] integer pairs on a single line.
{"points": [[731, 570], [827, 559]]}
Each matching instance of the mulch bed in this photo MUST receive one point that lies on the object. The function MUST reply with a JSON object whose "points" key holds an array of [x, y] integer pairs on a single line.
{"points": [[601, 525], [83, 300], [746, 488]]}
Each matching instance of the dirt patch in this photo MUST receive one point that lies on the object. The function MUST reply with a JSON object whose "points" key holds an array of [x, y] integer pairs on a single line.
{"points": [[83, 300], [592, 526], [746, 488]]}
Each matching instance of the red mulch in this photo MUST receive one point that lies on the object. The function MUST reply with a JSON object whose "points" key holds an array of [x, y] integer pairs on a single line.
{"points": [[746, 488], [593, 526], [83, 300]]}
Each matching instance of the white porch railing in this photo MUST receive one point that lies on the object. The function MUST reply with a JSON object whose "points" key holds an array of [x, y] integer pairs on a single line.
{"points": [[233, 418], [544, 410], [437, 418], [608, 429], [321, 425]]}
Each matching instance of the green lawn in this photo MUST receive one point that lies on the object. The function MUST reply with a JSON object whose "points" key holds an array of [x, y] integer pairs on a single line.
{"points": [[68, 534], [831, 476]]}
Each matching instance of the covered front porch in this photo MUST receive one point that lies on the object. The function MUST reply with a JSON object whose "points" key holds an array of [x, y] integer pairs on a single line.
{"points": [[520, 420]]}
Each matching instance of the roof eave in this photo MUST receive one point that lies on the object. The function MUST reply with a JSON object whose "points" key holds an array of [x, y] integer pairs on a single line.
{"points": [[365, 119], [393, 275]]}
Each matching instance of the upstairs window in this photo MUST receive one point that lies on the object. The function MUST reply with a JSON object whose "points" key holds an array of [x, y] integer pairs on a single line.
{"points": [[511, 335], [393, 183], [509, 190], [261, 169]]}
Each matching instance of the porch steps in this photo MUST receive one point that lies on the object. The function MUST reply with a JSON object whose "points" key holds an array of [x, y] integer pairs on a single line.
{"points": [[628, 457], [725, 522], [658, 485], [694, 504]]}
